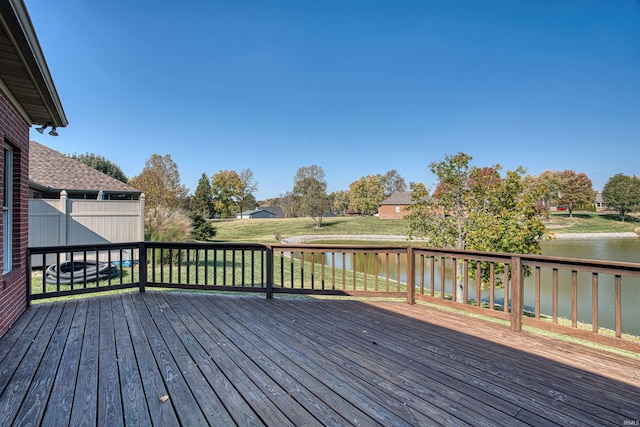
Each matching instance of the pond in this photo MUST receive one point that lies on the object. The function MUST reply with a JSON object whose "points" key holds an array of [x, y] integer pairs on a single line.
{"points": [[627, 249]]}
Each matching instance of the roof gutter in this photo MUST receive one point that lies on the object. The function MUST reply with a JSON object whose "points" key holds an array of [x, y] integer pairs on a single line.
{"points": [[41, 187]]}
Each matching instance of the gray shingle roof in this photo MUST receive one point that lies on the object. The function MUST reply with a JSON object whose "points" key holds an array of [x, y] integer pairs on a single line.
{"points": [[274, 210], [398, 198], [53, 170]]}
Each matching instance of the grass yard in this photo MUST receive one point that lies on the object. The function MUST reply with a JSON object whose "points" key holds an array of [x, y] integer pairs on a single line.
{"points": [[266, 230], [127, 276], [591, 222]]}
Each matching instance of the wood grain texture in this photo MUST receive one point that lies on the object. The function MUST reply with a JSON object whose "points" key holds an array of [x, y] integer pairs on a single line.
{"points": [[177, 358]]}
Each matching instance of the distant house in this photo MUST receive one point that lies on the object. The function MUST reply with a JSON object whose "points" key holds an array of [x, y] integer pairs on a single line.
{"points": [[395, 206], [600, 206], [262, 212], [255, 213], [27, 97], [50, 172]]}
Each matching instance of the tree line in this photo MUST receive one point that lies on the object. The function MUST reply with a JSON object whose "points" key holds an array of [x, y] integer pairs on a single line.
{"points": [[228, 193]]}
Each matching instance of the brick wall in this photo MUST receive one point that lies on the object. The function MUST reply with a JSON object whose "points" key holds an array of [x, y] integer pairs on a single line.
{"points": [[14, 130], [389, 212]]}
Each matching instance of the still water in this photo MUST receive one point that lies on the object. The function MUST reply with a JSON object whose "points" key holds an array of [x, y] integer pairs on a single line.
{"points": [[627, 249]]}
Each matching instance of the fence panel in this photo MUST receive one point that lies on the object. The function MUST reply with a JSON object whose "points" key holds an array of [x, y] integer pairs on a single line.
{"points": [[66, 221]]}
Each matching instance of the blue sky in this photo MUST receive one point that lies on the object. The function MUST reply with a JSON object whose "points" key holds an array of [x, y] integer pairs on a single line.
{"points": [[357, 87]]}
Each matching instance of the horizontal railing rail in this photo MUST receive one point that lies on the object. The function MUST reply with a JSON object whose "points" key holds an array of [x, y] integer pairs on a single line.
{"points": [[590, 299]]}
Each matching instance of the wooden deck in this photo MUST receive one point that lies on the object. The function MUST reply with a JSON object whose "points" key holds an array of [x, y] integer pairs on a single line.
{"points": [[171, 358]]}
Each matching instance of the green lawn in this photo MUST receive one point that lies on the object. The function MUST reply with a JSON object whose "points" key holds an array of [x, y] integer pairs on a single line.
{"points": [[265, 230], [591, 222]]}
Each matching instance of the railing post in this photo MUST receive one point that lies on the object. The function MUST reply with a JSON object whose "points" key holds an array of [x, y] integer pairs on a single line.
{"points": [[269, 261], [28, 267], [517, 294], [141, 208], [411, 289], [64, 218], [142, 263]]}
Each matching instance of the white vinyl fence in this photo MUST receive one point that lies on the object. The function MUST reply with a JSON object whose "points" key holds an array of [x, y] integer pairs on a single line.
{"points": [[64, 221]]}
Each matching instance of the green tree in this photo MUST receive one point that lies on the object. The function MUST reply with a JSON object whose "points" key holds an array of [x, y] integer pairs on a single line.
{"points": [[160, 182], [366, 193], [551, 183], [202, 200], [286, 202], [310, 193], [248, 186], [339, 201], [393, 182], [226, 188], [101, 164], [476, 209], [203, 230], [576, 189], [622, 193]]}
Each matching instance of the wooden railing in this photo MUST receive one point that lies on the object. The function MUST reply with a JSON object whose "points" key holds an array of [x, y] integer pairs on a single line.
{"points": [[220, 267], [538, 291], [590, 299], [60, 270], [601, 282], [355, 270]]}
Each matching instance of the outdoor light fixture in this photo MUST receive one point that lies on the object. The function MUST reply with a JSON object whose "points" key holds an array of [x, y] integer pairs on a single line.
{"points": [[52, 132]]}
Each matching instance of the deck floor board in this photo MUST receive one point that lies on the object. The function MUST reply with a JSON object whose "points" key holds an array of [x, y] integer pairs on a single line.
{"points": [[178, 358], [152, 380], [301, 384], [479, 364], [42, 381], [58, 411]]}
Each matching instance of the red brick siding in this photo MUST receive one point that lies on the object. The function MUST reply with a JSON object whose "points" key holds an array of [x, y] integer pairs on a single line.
{"points": [[14, 130], [389, 211]]}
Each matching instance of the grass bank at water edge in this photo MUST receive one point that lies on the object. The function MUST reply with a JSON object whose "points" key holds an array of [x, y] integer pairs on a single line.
{"points": [[273, 230]]}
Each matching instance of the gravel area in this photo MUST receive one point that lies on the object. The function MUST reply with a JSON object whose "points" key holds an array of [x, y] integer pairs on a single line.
{"points": [[576, 236], [311, 237]]}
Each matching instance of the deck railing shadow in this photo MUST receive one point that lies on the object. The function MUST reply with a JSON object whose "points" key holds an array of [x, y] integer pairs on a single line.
{"points": [[537, 291]]}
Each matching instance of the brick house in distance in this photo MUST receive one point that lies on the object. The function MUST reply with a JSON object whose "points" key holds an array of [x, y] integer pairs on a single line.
{"points": [[27, 97], [395, 206]]}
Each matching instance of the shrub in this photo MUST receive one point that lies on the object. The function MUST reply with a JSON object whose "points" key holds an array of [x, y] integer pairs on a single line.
{"points": [[202, 229], [167, 225]]}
